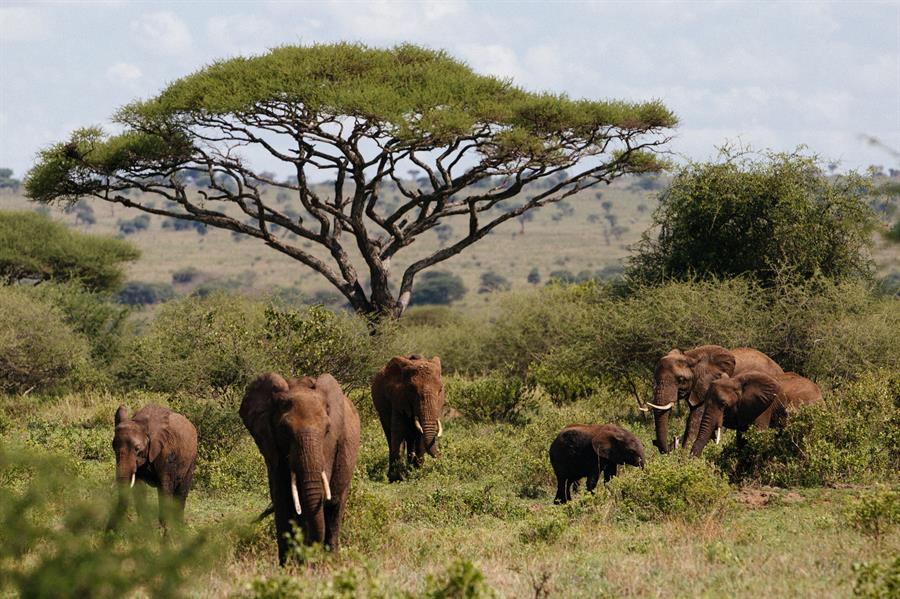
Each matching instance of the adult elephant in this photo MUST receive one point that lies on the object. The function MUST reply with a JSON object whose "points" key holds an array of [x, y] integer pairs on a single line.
{"points": [[308, 434], [408, 395], [753, 398], [158, 447], [687, 375]]}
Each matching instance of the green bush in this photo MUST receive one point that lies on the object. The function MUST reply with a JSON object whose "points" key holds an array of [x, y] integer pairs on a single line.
{"points": [[437, 287], [139, 293], [877, 580], [492, 398], [875, 514], [561, 384], [852, 438], [671, 487], [61, 549], [461, 581], [38, 349]]}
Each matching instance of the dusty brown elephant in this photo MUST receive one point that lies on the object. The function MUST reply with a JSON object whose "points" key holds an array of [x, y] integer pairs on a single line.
{"points": [[753, 398], [408, 395], [308, 434], [687, 375], [159, 447], [582, 450]]}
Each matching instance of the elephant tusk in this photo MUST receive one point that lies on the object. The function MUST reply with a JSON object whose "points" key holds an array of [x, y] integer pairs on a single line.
{"points": [[419, 426], [133, 476], [718, 435], [668, 406], [440, 428], [295, 494], [643, 409], [676, 442], [327, 486]]}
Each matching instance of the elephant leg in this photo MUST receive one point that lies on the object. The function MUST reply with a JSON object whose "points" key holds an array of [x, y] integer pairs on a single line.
{"points": [[334, 516], [609, 471], [166, 494], [398, 437], [120, 509], [181, 492], [593, 478], [739, 440], [569, 484], [560, 490], [692, 428]]}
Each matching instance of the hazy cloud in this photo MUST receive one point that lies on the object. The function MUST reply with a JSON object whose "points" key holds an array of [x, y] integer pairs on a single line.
{"points": [[21, 24], [162, 33], [123, 72]]}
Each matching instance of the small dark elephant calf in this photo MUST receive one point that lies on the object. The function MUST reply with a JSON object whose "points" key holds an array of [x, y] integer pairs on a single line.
{"points": [[582, 450]]}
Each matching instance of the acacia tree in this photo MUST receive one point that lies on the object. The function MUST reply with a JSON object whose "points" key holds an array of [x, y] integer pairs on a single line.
{"points": [[361, 118]]}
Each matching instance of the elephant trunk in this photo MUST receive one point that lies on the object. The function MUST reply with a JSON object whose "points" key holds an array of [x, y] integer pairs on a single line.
{"points": [[712, 420], [429, 425], [663, 400], [309, 486], [126, 470]]}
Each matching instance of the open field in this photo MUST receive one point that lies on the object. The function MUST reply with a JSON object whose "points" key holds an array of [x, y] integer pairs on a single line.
{"points": [[488, 500]]}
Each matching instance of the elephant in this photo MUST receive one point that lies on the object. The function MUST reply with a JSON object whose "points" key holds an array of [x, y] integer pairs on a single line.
{"points": [[308, 434], [409, 396], [159, 447], [687, 375], [753, 398], [582, 450]]}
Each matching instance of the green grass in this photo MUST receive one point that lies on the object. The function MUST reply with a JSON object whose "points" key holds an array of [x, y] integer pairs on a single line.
{"points": [[488, 500]]}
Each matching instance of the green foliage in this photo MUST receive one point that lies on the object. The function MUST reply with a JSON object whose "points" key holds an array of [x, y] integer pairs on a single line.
{"points": [[548, 527], [133, 225], [38, 349], [758, 217], [675, 487], [437, 287], [34, 247], [877, 580], [7, 181], [893, 234], [185, 275], [53, 542], [492, 281], [853, 438], [140, 293], [461, 581], [491, 398], [563, 385], [876, 513]]}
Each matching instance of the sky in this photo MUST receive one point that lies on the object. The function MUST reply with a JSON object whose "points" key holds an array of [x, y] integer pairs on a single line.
{"points": [[764, 75]]}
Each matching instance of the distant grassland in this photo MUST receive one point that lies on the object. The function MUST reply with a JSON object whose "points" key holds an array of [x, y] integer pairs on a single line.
{"points": [[569, 237]]}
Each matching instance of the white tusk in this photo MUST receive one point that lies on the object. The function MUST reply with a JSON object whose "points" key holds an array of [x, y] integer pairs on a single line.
{"points": [[327, 487], [419, 426], [295, 494], [718, 435], [676, 442], [643, 409], [133, 476], [440, 428], [668, 406]]}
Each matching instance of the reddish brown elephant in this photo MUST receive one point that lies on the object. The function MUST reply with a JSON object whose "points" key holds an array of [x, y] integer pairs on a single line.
{"points": [[409, 396], [308, 434], [687, 375], [159, 447], [753, 398], [583, 450]]}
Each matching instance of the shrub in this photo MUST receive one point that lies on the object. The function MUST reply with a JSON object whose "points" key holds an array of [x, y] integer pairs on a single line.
{"points": [[877, 580], [876, 513], [133, 225], [437, 287], [758, 216], [562, 385], [140, 293], [492, 398], [461, 581], [671, 487], [185, 275], [492, 281], [38, 350]]}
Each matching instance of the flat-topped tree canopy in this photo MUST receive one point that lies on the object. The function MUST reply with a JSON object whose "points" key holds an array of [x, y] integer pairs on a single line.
{"points": [[360, 117]]}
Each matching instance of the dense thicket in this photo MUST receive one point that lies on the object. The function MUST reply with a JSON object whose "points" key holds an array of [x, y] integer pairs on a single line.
{"points": [[760, 216]]}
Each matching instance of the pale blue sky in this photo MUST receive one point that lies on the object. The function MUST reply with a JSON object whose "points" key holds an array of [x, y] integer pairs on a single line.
{"points": [[767, 74]]}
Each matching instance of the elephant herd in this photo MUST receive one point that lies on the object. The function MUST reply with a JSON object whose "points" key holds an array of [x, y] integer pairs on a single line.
{"points": [[308, 432]]}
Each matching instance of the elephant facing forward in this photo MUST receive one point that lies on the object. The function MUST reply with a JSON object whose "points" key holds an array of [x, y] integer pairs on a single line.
{"points": [[158, 447], [687, 375], [753, 398], [583, 450], [308, 434], [408, 395]]}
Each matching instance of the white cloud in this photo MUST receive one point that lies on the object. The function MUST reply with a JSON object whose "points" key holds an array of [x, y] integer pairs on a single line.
{"points": [[123, 72], [492, 59], [19, 24], [241, 34], [384, 19], [162, 33]]}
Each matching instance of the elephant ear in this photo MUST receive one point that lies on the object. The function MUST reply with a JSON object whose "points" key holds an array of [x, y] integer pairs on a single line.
{"points": [[399, 365], [437, 362], [610, 444], [121, 414], [256, 413], [712, 361], [157, 429], [757, 392]]}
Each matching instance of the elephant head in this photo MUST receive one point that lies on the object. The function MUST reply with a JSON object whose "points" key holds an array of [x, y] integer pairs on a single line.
{"points": [[134, 445], [735, 402], [425, 391], [289, 421], [685, 375], [619, 447]]}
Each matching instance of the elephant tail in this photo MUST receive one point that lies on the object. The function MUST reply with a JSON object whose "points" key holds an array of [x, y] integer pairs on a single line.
{"points": [[265, 513]]}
